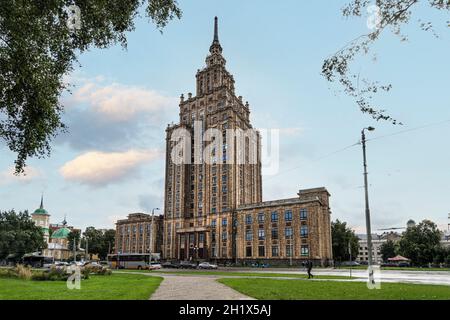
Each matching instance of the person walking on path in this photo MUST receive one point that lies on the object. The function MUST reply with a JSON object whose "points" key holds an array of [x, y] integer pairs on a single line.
{"points": [[309, 267]]}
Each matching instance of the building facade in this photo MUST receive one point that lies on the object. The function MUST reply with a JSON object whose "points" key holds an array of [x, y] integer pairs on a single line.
{"points": [[139, 233], [213, 182]]}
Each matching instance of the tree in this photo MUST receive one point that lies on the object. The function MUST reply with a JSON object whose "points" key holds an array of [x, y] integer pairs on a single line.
{"points": [[19, 234], [74, 235], [98, 242], [393, 14], [341, 237], [108, 243], [94, 239], [419, 243], [388, 250], [39, 43]]}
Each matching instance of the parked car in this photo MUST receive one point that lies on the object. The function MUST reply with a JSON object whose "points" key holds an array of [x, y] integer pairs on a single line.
{"points": [[207, 265], [188, 265], [170, 265], [154, 266]]}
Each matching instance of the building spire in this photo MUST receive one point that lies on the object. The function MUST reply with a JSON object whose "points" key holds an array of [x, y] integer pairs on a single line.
{"points": [[42, 201], [216, 29], [216, 43]]}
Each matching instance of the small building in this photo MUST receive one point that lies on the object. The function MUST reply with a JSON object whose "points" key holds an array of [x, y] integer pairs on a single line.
{"points": [[139, 233]]}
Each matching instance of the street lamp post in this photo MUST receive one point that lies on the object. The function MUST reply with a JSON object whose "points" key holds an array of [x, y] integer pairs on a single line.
{"points": [[366, 191], [151, 237]]}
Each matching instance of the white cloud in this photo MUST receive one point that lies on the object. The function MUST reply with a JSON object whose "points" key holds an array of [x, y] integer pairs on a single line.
{"points": [[120, 102], [100, 168], [7, 176]]}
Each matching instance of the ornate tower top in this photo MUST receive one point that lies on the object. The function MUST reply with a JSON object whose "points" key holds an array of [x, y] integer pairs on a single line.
{"points": [[215, 46]]}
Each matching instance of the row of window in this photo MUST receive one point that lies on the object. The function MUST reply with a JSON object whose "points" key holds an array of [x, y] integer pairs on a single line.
{"points": [[288, 232], [274, 216], [304, 251]]}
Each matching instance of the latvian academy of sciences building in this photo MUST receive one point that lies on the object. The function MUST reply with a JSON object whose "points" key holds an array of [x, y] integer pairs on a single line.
{"points": [[214, 211]]}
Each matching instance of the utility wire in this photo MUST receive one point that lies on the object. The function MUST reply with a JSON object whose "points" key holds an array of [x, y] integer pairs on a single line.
{"points": [[412, 129]]}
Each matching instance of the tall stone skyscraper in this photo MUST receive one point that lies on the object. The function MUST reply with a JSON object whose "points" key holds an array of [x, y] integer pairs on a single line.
{"points": [[203, 192]]}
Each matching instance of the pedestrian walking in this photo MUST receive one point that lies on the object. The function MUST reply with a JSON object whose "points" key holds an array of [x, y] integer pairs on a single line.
{"points": [[309, 266]]}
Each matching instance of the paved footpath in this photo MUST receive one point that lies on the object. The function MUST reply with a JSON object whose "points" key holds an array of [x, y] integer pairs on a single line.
{"points": [[195, 288]]}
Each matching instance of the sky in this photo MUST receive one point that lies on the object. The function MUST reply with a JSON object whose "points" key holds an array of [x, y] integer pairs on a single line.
{"points": [[111, 161]]}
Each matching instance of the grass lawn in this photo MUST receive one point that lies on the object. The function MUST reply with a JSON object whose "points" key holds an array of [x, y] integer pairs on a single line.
{"points": [[114, 287], [271, 289], [239, 274]]}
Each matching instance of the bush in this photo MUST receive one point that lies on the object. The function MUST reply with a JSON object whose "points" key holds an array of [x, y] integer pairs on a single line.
{"points": [[23, 272], [39, 276], [7, 273]]}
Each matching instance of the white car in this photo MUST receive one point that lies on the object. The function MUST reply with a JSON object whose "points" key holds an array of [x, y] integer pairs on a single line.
{"points": [[207, 265], [155, 266]]}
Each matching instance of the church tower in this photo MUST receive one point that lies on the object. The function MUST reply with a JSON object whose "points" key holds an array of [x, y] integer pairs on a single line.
{"points": [[203, 193], [41, 218]]}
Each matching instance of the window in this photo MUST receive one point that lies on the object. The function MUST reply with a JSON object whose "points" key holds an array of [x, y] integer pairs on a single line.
{"points": [[248, 235], [274, 234], [288, 215], [201, 237], [261, 251], [248, 219], [224, 222], [213, 223], [275, 251], [224, 236], [304, 231], [274, 216], [304, 250], [261, 217], [261, 234], [288, 232], [303, 214], [248, 251], [288, 250]]}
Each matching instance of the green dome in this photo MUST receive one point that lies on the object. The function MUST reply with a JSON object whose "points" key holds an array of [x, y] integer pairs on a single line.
{"points": [[61, 233], [41, 212], [41, 209]]}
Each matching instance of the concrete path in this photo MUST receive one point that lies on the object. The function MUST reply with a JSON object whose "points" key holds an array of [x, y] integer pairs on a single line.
{"points": [[195, 288]]}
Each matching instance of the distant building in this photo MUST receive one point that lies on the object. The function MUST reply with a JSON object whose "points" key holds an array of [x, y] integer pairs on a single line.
{"points": [[363, 254], [133, 234], [55, 235], [41, 218]]}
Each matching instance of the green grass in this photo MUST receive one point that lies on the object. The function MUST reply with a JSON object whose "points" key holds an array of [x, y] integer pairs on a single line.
{"points": [[114, 287], [239, 274], [271, 289]]}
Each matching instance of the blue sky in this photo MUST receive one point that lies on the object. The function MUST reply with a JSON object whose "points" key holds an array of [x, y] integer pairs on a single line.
{"points": [[111, 162]]}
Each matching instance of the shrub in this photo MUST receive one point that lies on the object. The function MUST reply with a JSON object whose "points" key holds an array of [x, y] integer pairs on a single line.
{"points": [[23, 272], [7, 273], [39, 276]]}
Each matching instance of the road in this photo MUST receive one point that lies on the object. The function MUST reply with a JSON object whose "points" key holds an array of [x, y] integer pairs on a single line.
{"points": [[403, 276]]}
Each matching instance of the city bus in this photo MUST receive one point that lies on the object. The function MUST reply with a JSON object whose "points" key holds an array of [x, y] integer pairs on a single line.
{"points": [[36, 260], [131, 260]]}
